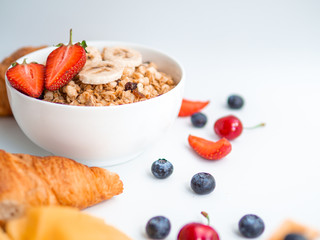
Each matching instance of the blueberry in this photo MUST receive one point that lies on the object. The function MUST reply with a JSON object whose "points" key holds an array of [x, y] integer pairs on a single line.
{"points": [[198, 120], [158, 227], [251, 226], [294, 236], [162, 168], [235, 101], [203, 183]]}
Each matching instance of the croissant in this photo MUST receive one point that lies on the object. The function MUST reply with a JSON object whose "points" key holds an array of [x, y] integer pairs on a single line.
{"points": [[27, 180], [5, 109]]}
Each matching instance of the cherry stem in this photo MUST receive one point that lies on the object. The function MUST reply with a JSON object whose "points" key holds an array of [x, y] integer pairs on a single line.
{"points": [[70, 40], [206, 215], [256, 126]]}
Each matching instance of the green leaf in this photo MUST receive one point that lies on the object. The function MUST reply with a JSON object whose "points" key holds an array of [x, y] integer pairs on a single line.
{"points": [[59, 45], [84, 45]]}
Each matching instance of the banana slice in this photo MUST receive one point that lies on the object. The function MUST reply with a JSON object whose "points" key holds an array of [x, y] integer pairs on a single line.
{"points": [[93, 54], [101, 72], [128, 57]]}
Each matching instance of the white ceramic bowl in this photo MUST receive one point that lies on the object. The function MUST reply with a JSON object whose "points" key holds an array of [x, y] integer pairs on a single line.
{"points": [[99, 136]]}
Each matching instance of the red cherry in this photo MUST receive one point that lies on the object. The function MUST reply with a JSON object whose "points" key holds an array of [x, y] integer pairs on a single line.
{"points": [[198, 231], [229, 127]]}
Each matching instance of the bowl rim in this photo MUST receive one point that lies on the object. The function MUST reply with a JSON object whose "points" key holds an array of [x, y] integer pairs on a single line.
{"points": [[111, 43]]}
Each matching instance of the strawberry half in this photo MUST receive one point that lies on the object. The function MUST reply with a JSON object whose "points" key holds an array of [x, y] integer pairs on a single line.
{"points": [[208, 149], [190, 107], [64, 63], [27, 78]]}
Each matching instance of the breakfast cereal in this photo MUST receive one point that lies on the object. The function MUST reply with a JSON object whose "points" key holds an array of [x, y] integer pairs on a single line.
{"points": [[137, 83]]}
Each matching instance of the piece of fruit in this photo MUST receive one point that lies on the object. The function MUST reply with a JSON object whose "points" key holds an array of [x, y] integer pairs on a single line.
{"points": [[125, 56], [162, 168], [158, 227], [130, 86], [190, 107], [64, 63], [198, 120], [229, 127], [235, 102], [290, 226], [198, 231], [251, 226], [203, 183], [27, 78], [208, 149], [101, 72], [60, 223], [93, 55], [294, 236]]}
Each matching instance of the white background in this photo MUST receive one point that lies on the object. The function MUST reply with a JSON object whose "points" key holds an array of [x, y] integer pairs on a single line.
{"points": [[267, 51]]}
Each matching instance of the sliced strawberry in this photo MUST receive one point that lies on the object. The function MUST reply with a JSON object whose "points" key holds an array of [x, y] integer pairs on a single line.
{"points": [[208, 149], [27, 78], [64, 63], [190, 107]]}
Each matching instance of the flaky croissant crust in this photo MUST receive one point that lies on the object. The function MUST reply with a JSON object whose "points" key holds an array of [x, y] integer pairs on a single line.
{"points": [[27, 180]]}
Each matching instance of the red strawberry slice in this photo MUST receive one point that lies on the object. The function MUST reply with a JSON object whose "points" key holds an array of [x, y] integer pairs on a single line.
{"points": [[64, 63], [190, 107], [208, 149], [27, 78]]}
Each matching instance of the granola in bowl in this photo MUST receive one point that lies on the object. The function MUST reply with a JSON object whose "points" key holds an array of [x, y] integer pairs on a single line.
{"points": [[97, 136], [100, 84]]}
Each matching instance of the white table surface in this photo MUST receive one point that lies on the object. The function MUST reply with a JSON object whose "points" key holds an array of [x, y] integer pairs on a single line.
{"points": [[267, 51]]}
